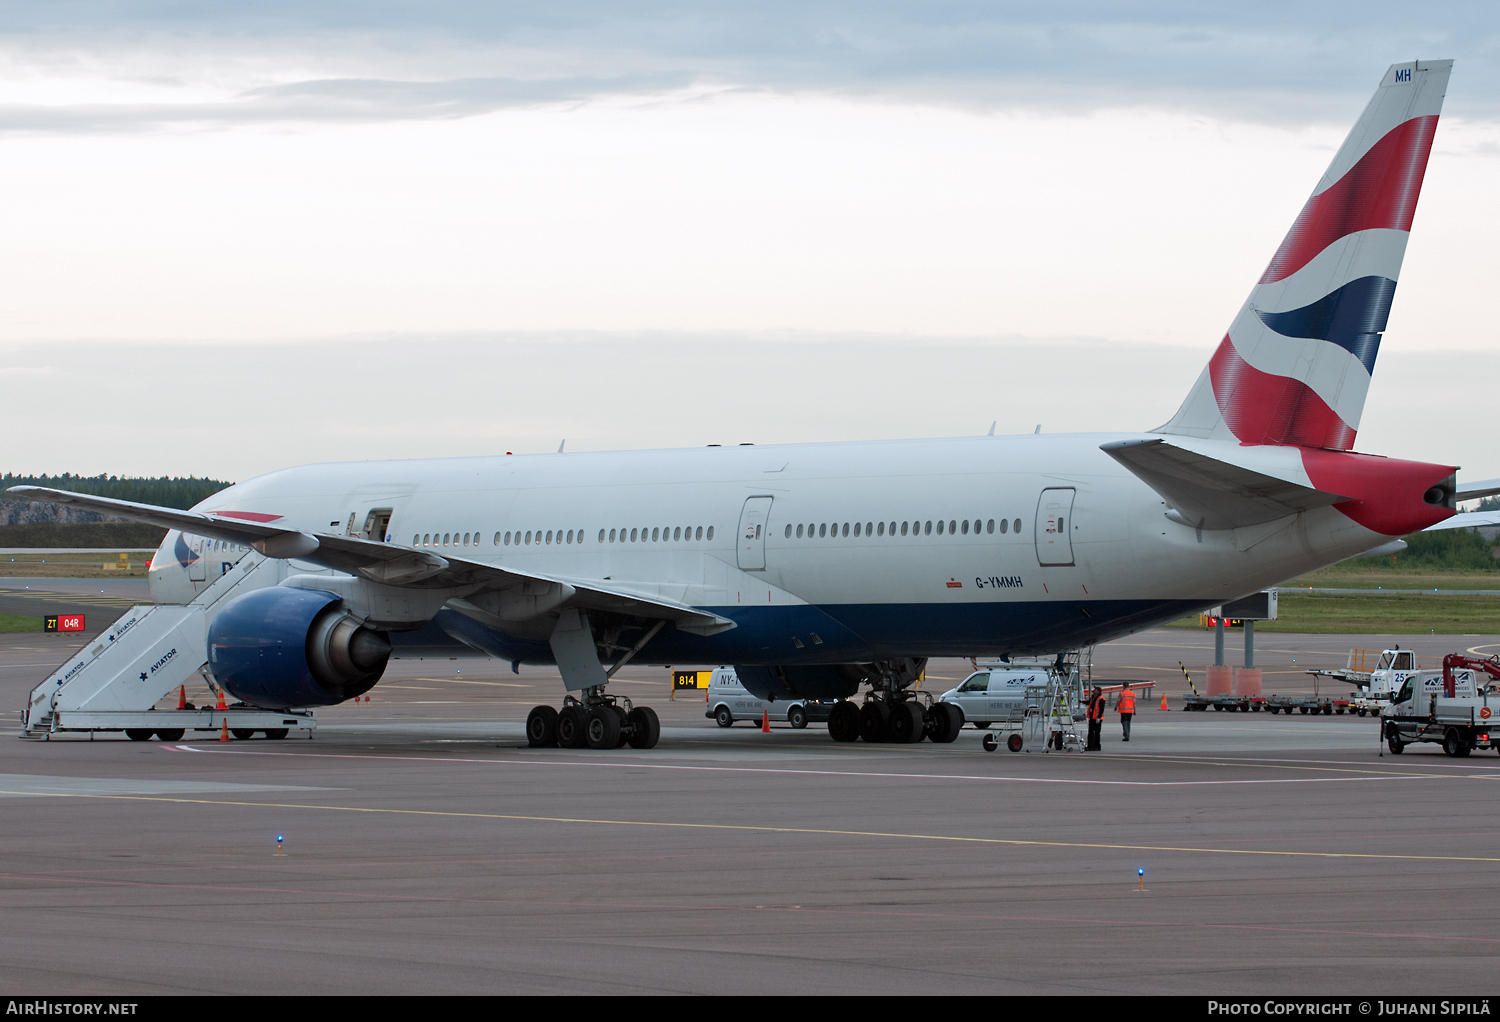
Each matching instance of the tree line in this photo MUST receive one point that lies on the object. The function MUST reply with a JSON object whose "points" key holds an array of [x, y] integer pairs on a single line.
{"points": [[164, 491]]}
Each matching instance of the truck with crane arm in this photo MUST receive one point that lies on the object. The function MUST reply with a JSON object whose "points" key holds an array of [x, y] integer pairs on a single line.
{"points": [[1448, 707]]}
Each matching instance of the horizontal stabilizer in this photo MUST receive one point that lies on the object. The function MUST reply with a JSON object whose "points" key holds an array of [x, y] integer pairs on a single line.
{"points": [[1211, 494], [1478, 488]]}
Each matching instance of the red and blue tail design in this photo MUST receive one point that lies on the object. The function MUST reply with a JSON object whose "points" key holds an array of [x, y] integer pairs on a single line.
{"points": [[1295, 366]]}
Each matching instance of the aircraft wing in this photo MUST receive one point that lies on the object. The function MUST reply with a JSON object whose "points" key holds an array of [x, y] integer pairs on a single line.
{"points": [[1213, 494], [384, 562]]}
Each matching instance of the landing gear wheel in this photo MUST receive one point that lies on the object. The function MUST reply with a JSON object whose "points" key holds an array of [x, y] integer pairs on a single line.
{"points": [[645, 728], [843, 721], [624, 731], [1014, 743], [943, 723], [601, 728], [990, 743], [276, 734], [905, 724], [570, 727], [244, 734], [171, 734], [874, 721], [541, 727], [723, 717], [797, 717], [135, 734]]}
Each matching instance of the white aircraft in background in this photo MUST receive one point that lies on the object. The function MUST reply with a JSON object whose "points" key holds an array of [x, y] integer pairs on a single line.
{"points": [[813, 568]]}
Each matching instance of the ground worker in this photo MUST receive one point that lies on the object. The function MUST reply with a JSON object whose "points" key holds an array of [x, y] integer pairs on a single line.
{"points": [[1126, 706], [1096, 721]]}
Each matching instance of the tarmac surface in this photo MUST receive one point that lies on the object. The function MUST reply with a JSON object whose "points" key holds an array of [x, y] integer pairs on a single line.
{"points": [[428, 850]]}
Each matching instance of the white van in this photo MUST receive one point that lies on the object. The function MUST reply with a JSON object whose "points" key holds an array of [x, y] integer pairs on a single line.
{"points": [[729, 701], [991, 693]]}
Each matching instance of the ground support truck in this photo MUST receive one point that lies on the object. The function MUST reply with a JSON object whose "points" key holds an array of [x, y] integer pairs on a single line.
{"points": [[1446, 707]]}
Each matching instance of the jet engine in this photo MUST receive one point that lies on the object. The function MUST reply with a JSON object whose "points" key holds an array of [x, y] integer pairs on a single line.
{"points": [[283, 647]]}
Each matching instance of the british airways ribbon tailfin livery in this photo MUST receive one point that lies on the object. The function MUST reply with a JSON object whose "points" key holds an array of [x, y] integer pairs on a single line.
{"points": [[814, 568]]}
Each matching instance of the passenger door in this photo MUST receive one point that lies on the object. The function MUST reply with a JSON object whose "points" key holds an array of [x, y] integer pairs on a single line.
{"points": [[1054, 527], [752, 535], [198, 566]]}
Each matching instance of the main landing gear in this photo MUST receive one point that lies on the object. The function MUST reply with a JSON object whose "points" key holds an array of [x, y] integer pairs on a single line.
{"points": [[597, 721], [894, 717]]}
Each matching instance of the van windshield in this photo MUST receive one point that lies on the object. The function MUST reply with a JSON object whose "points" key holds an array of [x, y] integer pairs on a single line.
{"points": [[976, 682]]}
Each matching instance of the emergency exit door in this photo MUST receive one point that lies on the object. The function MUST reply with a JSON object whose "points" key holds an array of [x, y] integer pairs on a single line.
{"points": [[1054, 527], [752, 535]]}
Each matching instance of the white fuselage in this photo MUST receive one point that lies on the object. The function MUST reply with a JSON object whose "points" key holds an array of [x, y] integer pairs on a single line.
{"points": [[922, 588]]}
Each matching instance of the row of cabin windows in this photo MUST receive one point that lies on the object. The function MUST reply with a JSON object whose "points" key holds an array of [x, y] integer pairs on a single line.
{"points": [[691, 533], [657, 535], [444, 539], [674, 534], [953, 528]]}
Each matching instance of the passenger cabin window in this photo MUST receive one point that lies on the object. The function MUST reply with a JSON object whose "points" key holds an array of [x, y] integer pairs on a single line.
{"points": [[1017, 525]]}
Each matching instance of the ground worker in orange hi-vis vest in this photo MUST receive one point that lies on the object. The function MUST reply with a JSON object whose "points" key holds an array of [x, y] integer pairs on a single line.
{"points": [[1126, 706], [1096, 721]]}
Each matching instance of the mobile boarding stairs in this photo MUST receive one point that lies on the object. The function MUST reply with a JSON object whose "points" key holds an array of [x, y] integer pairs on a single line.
{"points": [[115, 683]]}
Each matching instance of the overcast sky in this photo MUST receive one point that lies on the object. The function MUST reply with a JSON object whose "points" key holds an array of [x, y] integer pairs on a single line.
{"points": [[461, 183]]}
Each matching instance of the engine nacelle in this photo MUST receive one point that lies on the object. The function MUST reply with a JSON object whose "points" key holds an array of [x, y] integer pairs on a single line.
{"points": [[282, 647]]}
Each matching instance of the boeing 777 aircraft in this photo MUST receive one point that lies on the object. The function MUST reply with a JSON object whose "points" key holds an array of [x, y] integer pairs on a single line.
{"points": [[815, 567]]}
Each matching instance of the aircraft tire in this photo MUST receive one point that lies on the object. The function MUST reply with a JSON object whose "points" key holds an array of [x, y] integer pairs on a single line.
{"points": [[541, 727], [843, 721], [601, 728], [906, 726], [946, 720], [624, 729], [645, 728], [570, 728], [874, 721]]}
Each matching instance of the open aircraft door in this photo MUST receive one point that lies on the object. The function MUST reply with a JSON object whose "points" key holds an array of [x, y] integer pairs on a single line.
{"points": [[198, 566], [752, 535], [1054, 527]]}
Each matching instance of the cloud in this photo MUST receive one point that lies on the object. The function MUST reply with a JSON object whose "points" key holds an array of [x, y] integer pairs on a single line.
{"points": [[1281, 60]]}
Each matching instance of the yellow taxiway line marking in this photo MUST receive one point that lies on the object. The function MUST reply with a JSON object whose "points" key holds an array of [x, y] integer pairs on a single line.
{"points": [[751, 828]]}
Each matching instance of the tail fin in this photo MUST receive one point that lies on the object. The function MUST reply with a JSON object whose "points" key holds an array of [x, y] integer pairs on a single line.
{"points": [[1295, 366]]}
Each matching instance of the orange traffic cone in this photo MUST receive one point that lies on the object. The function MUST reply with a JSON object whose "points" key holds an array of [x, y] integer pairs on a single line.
{"points": [[224, 731], [221, 700], [765, 721], [182, 697], [1164, 705]]}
